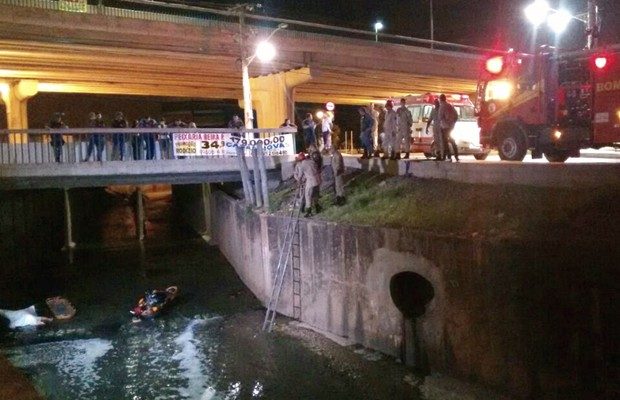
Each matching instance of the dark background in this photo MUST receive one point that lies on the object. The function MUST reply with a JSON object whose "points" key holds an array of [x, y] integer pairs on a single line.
{"points": [[498, 24]]}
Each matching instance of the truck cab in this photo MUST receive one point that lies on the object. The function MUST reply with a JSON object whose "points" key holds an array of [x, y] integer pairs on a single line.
{"points": [[466, 132]]}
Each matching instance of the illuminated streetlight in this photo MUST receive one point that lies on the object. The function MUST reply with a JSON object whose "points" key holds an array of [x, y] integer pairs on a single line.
{"points": [[378, 27], [558, 21], [537, 12], [265, 52]]}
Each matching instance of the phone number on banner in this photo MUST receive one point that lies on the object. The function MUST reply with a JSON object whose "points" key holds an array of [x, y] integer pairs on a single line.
{"points": [[226, 144]]}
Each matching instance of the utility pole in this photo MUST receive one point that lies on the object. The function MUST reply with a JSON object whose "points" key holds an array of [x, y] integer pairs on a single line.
{"points": [[592, 24], [248, 114], [432, 28]]}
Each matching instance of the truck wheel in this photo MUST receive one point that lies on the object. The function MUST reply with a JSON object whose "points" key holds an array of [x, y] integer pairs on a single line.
{"points": [[511, 146], [558, 156], [481, 156]]}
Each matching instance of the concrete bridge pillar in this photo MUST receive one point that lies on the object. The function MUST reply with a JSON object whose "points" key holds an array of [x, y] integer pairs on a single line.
{"points": [[274, 96], [15, 97]]}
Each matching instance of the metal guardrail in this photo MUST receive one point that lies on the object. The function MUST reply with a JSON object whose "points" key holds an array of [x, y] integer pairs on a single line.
{"points": [[160, 11], [82, 145]]}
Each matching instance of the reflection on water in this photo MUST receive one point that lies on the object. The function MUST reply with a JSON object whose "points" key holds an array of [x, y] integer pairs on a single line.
{"points": [[207, 345]]}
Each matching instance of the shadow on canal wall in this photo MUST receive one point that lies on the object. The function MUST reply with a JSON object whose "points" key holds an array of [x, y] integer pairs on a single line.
{"points": [[533, 319]]}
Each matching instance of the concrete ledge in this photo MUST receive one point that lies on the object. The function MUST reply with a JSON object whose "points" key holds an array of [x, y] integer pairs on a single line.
{"points": [[544, 175], [57, 175]]}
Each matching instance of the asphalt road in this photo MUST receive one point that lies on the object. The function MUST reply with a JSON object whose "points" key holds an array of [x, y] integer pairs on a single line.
{"points": [[588, 156]]}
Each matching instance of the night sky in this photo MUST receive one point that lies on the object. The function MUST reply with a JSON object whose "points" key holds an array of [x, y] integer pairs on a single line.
{"points": [[498, 24]]}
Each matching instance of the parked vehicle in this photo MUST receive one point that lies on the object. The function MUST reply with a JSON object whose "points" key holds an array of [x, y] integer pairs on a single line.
{"points": [[466, 132]]}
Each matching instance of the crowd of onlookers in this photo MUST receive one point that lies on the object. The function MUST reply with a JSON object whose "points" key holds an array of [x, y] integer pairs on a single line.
{"points": [[142, 144]]}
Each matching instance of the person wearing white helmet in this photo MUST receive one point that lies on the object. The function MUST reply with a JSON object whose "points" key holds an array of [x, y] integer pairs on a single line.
{"points": [[389, 130]]}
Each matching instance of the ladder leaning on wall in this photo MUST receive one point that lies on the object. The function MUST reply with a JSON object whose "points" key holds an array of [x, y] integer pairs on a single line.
{"points": [[289, 247]]}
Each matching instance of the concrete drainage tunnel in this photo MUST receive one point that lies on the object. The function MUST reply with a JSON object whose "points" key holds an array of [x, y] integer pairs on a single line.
{"points": [[411, 293]]}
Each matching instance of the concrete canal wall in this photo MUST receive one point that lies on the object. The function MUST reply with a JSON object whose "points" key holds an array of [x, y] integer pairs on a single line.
{"points": [[528, 318]]}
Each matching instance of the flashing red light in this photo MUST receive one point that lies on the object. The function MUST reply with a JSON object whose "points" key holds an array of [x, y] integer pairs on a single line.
{"points": [[495, 65], [600, 62]]}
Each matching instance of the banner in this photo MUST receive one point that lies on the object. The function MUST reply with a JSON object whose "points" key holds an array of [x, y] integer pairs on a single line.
{"points": [[73, 5], [225, 144]]}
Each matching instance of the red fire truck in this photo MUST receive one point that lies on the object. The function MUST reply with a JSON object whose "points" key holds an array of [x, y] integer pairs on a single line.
{"points": [[553, 103]]}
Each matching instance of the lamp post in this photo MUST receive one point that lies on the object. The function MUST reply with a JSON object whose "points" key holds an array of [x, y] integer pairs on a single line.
{"points": [[265, 52], [378, 27]]}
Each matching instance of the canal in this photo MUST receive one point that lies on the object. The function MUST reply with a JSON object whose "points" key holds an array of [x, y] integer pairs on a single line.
{"points": [[206, 346]]}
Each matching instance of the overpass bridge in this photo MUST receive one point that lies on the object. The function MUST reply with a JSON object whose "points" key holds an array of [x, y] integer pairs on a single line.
{"points": [[60, 158], [188, 52]]}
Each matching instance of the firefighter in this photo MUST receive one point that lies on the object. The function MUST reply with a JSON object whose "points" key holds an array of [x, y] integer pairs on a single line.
{"points": [[95, 141], [389, 131], [447, 117], [403, 137], [374, 113], [438, 149], [309, 173], [338, 169]]}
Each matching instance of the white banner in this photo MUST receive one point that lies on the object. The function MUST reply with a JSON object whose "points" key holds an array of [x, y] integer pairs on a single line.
{"points": [[225, 144]]}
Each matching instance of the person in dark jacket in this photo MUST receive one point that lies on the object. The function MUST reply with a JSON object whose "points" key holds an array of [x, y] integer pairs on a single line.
{"points": [[118, 139], [56, 140], [366, 127], [308, 126]]}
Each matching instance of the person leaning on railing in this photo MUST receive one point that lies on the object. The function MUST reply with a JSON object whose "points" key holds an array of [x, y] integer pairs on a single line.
{"points": [[56, 140]]}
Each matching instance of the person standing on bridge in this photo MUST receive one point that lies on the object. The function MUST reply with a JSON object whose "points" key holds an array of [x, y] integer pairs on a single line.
{"points": [[326, 131], [308, 126], [56, 140], [95, 140], [447, 117], [118, 139], [405, 122], [366, 126], [433, 122], [149, 137], [237, 125], [389, 131]]}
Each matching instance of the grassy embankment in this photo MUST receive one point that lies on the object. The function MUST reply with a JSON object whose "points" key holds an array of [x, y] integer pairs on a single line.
{"points": [[491, 211]]}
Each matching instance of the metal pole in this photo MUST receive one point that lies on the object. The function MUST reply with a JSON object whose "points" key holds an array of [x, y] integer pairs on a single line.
{"points": [[263, 176], [140, 212], [245, 76], [256, 173], [69, 243], [592, 24], [245, 176], [432, 27]]}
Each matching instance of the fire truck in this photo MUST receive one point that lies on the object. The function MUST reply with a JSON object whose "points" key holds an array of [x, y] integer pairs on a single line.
{"points": [[553, 103], [466, 132]]}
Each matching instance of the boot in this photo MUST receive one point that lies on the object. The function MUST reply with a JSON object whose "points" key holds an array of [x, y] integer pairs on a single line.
{"points": [[318, 208], [376, 154], [365, 155], [308, 213], [406, 156]]}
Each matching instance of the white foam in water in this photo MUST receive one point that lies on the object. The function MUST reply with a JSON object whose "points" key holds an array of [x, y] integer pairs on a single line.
{"points": [[190, 363], [74, 359]]}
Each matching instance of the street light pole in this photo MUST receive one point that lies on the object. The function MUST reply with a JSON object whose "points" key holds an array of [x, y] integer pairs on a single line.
{"points": [[592, 24], [248, 114], [432, 28]]}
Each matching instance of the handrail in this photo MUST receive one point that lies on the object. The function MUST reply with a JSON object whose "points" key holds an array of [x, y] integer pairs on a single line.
{"points": [[82, 131], [214, 16]]}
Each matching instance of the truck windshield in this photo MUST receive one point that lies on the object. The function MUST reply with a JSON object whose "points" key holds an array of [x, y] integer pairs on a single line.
{"points": [[466, 113]]}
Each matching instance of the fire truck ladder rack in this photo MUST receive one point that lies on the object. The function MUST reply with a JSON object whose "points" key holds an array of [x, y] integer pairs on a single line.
{"points": [[291, 240]]}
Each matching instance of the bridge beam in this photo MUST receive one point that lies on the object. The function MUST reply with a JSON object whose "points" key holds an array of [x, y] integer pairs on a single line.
{"points": [[274, 95], [15, 95]]}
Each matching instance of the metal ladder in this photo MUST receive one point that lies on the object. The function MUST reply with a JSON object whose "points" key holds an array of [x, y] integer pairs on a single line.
{"points": [[291, 241]]}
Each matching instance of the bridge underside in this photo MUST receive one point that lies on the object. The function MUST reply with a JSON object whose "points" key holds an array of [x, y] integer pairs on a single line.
{"points": [[97, 174]]}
